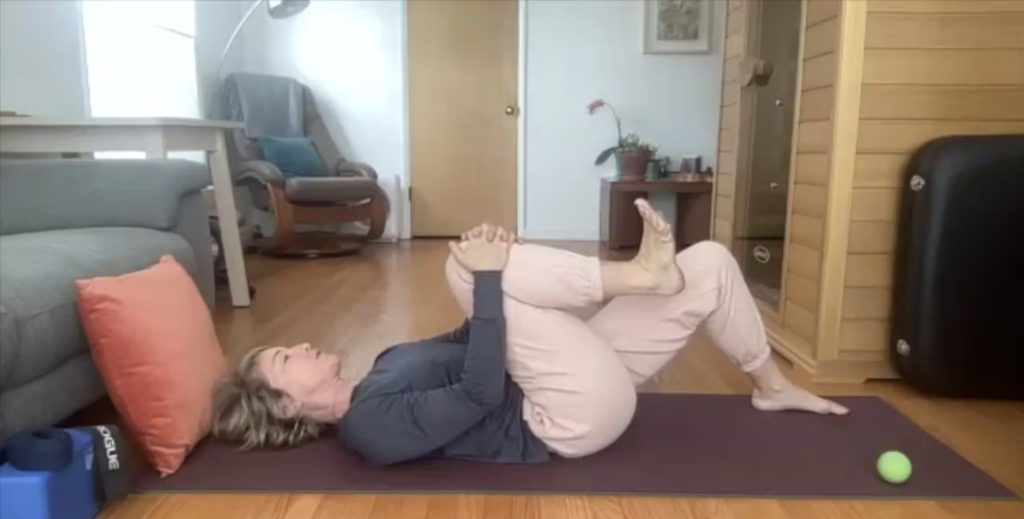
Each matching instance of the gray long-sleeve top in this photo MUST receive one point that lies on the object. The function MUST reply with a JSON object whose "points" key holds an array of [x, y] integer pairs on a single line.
{"points": [[445, 397]]}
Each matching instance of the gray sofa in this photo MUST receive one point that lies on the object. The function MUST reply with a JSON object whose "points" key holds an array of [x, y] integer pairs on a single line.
{"points": [[63, 220]]}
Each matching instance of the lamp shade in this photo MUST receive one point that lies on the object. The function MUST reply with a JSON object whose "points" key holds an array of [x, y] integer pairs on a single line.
{"points": [[286, 8]]}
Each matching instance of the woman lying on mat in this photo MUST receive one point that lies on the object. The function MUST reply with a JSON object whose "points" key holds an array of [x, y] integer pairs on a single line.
{"points": [[522, 377]]}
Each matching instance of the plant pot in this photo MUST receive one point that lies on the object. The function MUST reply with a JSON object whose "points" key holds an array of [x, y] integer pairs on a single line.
{"points": [[633, 163]]}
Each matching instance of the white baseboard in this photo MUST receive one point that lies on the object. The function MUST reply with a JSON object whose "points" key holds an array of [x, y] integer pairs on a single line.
{"points": [[565, 234]]}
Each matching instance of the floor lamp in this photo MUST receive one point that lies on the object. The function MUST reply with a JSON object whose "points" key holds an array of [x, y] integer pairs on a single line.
{"points": [[277, 9]]}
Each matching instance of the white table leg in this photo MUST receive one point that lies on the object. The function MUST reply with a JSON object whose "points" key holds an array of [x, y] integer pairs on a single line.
{"points": [[223, 193], [155, 146]]}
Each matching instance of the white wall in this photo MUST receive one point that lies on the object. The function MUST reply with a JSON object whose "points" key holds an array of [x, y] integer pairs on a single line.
{"points": [[42, 65], [215, 20], [581, 50], [42, 53], [352, 55]]}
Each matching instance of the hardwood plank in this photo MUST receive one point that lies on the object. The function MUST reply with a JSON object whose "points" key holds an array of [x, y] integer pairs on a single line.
{"points": [[872, 237], [801, 322], [812, 168], [756, 509], [807, 231], [943, 67], [349, 506], [867, 303], [870, 270], [819, 72], [526, 507], [946, 6], [864, 335], [821, 38], [706, 508], [301, 506], [400, 507], [945, 31], [906, 136], [814, 137], [1012, 510], [134, 506], [498, 507], [649, 508], [907, 510], [817, 104], [938, 102], [810, 200], [819, 11], [802, 291], [881, 170], [875, 205], [605, 507], [819, 510], [456, 506], [559, 507], [804, 262]]}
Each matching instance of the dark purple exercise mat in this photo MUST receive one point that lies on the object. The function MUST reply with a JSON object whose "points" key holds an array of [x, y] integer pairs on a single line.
{"points": [[678, 445]]}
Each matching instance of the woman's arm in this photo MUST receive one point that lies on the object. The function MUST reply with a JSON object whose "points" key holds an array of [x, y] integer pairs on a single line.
{"points": [[390, 429], [459, 335]]}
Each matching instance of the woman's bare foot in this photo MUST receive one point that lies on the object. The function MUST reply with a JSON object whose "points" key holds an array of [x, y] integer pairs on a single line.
{"points": [[774, 392], [657, 257]]}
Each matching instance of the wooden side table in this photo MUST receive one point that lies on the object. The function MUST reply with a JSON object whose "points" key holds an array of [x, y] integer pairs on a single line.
{"points": [[621, 226]]}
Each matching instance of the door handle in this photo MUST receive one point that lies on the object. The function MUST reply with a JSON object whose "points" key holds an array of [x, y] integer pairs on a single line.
{"points": [[755, 71], [511, 110]]}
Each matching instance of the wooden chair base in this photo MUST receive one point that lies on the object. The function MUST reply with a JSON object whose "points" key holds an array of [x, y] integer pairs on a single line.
{"points": [[314, 244], [289, 242]]}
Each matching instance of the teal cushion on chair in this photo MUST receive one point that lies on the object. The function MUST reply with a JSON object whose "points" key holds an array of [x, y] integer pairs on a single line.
{"points": [[294, 156]]}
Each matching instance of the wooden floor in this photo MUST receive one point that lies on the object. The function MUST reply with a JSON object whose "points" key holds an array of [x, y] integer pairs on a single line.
{"points": [[357, 306]]}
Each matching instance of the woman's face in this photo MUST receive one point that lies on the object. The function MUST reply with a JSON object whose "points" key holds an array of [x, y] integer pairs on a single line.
{"points": [[303, 372]]}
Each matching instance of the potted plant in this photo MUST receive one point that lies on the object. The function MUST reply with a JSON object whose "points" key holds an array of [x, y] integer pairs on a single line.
{"points": [[631, 153]]}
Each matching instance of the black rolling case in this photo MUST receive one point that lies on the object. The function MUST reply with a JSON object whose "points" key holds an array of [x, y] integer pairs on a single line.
{"points": [[958, 313]]}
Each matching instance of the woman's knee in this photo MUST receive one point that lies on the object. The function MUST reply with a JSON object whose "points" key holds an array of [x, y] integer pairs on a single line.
{"points": [[705, 257], [599, 419]]}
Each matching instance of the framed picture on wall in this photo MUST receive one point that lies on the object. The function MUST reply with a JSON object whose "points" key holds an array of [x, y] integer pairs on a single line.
{"points": [[677, 26]]}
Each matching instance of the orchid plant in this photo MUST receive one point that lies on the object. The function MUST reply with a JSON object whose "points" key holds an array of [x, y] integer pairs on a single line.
{"points": [[629, 142]]}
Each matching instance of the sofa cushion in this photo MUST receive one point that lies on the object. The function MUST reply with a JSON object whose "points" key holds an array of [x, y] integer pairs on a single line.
{"points": [[39, 323]]}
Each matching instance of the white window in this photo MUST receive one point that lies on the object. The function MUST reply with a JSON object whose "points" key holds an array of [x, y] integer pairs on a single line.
{"points": [[140, 56]]}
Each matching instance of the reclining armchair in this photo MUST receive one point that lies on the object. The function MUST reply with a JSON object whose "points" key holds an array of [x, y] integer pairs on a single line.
{"points": [[349, 193]]}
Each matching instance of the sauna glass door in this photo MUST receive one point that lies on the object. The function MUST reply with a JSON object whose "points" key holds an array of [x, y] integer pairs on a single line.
{"points": [[764, 167]]}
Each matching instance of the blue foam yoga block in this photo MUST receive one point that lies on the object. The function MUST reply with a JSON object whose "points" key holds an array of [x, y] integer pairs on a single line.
{"points": [[67, 494]]}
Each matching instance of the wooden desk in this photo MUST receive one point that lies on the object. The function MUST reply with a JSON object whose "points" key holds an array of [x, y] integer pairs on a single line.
{"points": [[621, 226], [155, 137]]}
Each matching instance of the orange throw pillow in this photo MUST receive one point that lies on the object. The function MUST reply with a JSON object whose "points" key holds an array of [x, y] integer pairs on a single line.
{"points": [[153, 341]]}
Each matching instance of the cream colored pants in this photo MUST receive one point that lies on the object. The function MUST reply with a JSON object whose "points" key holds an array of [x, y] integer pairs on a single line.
{"points": [[579, 376]]}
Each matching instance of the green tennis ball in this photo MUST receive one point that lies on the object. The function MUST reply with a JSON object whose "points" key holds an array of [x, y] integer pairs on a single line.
{"points": [[894, 467]]}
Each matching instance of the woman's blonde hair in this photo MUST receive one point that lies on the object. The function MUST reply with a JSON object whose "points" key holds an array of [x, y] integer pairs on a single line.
{"points": [[248, 411]]}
